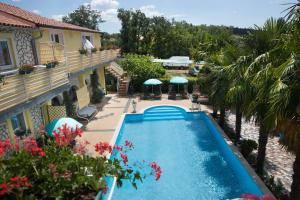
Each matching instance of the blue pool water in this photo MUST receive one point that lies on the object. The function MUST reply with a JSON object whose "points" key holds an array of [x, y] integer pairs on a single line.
{"points": [[195, 160]]}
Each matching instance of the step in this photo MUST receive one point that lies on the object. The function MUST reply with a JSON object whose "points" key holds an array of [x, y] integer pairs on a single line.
{"points": [[148, 118], [164, 114]]}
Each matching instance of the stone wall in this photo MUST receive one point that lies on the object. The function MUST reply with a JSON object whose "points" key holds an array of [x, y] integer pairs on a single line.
{"points": [[36, 117], [3, 131], [22, 39]]}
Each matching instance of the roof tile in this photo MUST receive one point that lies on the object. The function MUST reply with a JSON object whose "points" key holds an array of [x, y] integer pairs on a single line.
{"points": [[40, 20]]}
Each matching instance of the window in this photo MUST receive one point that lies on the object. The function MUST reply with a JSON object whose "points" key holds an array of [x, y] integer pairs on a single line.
{"points": [[18, 123], [5, 58], [57, 37], [87, 36]]}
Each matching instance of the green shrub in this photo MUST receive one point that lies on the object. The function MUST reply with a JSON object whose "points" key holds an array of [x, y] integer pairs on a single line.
{"points": [[276, 187], [97, 93], [166, 82], [82, 51], [247, 146], [140, 68]]}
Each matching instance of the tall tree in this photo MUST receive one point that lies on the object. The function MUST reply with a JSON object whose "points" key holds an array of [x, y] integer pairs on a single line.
{"points": [[84, 16]]}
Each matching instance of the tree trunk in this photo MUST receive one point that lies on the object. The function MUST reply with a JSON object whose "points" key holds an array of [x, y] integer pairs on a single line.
{"points": [[295, 189], [238, 124], [262, 144], [222, 117]]}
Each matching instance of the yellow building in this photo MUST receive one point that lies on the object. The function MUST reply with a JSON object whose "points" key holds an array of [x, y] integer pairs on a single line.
{"points": [[30, 39]]}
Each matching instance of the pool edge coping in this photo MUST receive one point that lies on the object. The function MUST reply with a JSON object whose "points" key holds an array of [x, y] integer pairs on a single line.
{"points": [[241, 158], [230, 144]]}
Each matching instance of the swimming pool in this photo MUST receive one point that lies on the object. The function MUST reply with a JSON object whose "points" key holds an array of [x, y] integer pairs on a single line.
{"points": [[195, 159]]}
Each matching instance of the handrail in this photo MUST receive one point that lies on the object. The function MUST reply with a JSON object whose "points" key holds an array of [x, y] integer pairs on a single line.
{"points": [[119, 70]]}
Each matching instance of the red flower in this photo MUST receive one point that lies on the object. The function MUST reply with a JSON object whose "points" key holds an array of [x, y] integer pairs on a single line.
{"points": [[157, 170], [103, 147], [4, 146], [19, 182], [124, 158], [31, 146], [3, 189], [65, 135]]}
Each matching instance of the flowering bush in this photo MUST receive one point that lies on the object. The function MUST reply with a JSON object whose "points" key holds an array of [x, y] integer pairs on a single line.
{"points": [[62, 169]]}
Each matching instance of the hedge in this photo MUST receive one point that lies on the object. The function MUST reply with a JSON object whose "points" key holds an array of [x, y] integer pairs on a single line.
{"points": [[166, 81]]}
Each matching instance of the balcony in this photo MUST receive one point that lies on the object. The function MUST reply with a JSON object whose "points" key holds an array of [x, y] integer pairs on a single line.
{"points": [[18, 89], [74, 60]]}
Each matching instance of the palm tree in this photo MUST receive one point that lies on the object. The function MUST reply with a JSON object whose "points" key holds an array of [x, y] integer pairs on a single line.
{"points": [[239, 92], [285, 100], [218, 93], [267, 52]]}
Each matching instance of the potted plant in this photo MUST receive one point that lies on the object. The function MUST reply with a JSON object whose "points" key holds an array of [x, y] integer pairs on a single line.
{"points": [[26, 69], [51, 64], [83, 51], [94, 50]]}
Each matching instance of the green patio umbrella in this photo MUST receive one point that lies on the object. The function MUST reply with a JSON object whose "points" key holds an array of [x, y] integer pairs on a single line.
{"points": [[56, 123], [152, 82], [178, 80]]}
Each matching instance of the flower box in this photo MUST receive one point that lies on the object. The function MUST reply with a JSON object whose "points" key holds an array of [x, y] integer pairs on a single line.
{"points": [[26, 69], [82, 51], [94, 50], [51, 64]]}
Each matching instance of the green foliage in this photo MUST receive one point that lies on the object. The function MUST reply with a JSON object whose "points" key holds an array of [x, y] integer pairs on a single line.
{"points": [[84, 16], [63, 172], [276, 187], [97, 93], [82, 51], [247, 146], [141, 68], [166, 82], [110, 40], [70, 106], [26, 69], [160, 37]]}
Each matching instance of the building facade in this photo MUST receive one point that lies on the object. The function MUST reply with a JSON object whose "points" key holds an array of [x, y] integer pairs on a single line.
{"points": [[60, 62]]}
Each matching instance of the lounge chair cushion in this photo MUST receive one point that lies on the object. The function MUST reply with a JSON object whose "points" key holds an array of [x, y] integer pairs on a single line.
{"points": [[87, 111]]}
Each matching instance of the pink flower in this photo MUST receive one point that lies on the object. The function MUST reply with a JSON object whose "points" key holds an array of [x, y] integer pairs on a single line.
{"points": [[80, 148], [118, 148], [105, 189], [128, 144], [124, 158], [255, 197]]}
